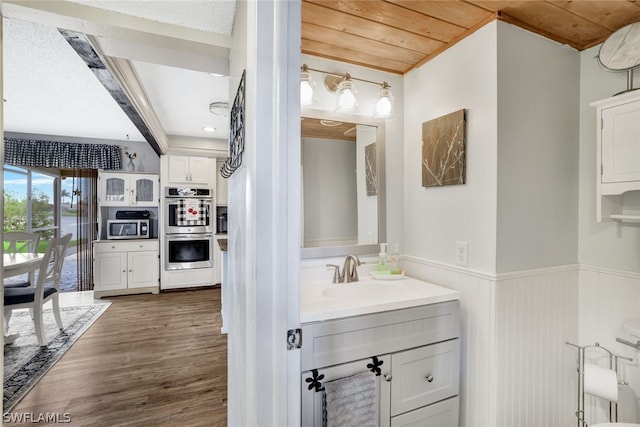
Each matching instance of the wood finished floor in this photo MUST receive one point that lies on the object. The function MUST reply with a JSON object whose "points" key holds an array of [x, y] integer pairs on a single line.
{"points": [[149, 360]]}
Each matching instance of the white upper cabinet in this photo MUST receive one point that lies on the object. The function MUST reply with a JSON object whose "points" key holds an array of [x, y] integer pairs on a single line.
{"points": [[618, 155], [621, 142], [128, 189], [191, 170]]}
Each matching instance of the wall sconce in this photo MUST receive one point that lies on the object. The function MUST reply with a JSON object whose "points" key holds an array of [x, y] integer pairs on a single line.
{"points": [[342, 85]]}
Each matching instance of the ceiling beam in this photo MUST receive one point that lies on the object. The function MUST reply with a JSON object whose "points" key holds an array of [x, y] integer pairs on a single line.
{"points": [[81, 44]]}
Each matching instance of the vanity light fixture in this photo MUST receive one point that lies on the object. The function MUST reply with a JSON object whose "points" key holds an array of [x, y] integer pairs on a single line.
{"points": [[346, 101], [307, 87], [342, 85], [385, 101]]}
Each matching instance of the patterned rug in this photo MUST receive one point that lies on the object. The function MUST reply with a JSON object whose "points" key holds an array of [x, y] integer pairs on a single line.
{"points": [[25, 362]]}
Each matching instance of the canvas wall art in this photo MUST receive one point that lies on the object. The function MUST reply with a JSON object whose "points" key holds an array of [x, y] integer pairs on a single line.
{"points": [[371, 169], [444, 150]]}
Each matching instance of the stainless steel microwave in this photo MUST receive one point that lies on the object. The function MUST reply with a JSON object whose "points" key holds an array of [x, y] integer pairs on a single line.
{"points": [[128, 229]]}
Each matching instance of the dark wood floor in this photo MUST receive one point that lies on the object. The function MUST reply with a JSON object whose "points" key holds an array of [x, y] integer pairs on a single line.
{"points": [[149, 360]]}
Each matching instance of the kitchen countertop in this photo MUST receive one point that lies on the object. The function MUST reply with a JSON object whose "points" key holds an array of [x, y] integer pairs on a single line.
{"points": [[323, 300]]}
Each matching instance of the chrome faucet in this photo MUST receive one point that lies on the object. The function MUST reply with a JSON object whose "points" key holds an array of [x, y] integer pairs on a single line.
{"points": [[349, 271]]}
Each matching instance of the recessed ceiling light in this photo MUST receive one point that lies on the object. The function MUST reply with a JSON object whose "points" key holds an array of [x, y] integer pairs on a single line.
{"points": [[219, 108], [216, 74], [209, 129]]}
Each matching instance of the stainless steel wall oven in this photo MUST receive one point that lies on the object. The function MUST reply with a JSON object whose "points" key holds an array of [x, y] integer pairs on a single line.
{"points": [[189, 228], [188, 251]]}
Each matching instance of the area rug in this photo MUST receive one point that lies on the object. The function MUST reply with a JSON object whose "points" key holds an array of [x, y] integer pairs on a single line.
{"points": [[25, 362]]}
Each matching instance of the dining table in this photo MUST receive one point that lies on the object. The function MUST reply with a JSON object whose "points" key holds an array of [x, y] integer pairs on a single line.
{"points": [[20, 263], [15, 265]]}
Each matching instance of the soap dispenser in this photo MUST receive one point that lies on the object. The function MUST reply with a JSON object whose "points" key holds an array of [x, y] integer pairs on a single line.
{"points": [[395, 261], [383, 266]]}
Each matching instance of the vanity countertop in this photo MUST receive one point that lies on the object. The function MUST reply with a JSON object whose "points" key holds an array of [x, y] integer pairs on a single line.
{"points": [[322, 300]]}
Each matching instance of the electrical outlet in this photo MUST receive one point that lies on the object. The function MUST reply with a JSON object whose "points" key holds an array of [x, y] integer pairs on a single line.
{"points": [[462, 250]]}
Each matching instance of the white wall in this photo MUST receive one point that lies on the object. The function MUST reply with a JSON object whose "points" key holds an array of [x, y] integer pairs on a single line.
{"points": [[609, 252], [537, 151], [605, 244], [464, 76], [435, 218], [521, 120]]}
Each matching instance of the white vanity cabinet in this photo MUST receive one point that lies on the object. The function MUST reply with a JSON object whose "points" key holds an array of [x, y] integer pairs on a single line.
{"points": [[128, 189], [126, 267], [618, 156], [416, 351], [190, 170]]}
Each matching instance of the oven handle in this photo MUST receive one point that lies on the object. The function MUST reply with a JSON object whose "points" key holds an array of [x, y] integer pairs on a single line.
{"points": [[189, 236]]}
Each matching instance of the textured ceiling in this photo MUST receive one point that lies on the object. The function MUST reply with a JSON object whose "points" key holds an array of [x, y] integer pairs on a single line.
{"points": [[49, 90], [215, 16]]}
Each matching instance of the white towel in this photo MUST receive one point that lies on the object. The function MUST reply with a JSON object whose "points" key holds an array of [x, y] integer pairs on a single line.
{"points": [[351, 401]]}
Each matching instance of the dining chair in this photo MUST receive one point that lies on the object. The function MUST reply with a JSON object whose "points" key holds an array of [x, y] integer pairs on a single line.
{"points": [[47, 288], [20, 241]]}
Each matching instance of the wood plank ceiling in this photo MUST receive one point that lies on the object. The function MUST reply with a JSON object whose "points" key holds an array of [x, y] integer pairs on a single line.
{"points": [[399, 35]]}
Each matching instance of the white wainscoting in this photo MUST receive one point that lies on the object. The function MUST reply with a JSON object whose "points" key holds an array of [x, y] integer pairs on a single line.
{"points": [[476, 332], [516, 369], [607, 298], [536, 379]]}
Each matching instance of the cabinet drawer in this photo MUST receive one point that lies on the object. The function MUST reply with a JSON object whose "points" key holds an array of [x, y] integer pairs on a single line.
{"points": [[105, 247], [441, 414], [424, 375], [342, 340]]}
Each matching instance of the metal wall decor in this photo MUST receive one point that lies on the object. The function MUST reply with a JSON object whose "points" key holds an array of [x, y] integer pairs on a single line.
{"points": [[236, 132]]}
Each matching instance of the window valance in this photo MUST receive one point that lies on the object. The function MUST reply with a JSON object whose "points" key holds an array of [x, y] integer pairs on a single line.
{"points": [[53, 154]]}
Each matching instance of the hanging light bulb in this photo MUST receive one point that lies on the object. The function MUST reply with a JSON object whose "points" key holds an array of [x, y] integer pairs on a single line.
{"points": [[307, 87], [384, 102], [346, 101]]}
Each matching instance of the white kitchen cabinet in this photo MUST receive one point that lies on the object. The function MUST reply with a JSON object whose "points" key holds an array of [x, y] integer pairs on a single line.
{"points": [[128, 189], [221, 186], [127, 267], [191, 170], [618, 156], [416, 351]]}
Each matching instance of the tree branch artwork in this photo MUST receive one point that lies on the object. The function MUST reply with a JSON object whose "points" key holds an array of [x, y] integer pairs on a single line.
{"points": [[371, 174], [443, 150]]}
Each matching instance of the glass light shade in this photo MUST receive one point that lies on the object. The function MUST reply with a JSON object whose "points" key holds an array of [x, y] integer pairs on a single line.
{"points": [[384, 102], [346, 101], [307, 89]]}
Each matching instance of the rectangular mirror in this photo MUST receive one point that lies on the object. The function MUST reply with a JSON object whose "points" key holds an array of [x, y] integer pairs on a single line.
{"points": [[343, 185]]}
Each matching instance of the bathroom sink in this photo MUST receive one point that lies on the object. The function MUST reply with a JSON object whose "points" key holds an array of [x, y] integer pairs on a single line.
{"points": [[361, 290], [322, 300]]}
